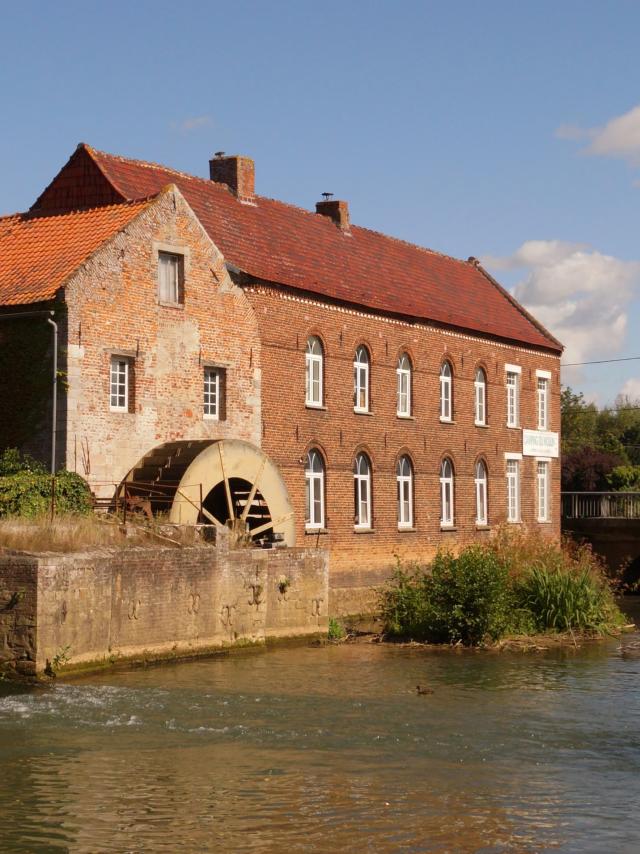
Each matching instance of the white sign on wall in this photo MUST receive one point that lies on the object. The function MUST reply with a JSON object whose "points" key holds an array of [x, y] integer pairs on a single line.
{"points": [[540, 443]]}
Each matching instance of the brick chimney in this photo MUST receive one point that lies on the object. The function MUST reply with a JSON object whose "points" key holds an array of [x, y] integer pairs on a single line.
{"points": [[238, 173], [336, 210]]}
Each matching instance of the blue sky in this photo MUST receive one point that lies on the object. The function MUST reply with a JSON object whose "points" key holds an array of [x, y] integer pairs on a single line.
{"points": [[504, 130]]}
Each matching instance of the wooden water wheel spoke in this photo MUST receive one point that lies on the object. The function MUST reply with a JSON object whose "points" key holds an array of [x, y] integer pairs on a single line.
{"points": [[271, 524], [253, 492], [227, 485], [205, 512]]}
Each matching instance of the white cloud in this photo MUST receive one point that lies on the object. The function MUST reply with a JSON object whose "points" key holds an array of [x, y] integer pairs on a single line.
{"points": [[631, 389], [582, 296], [191, 124], [619, 137]]}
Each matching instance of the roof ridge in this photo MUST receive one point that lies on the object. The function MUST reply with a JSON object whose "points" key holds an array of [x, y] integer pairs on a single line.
{"points": [[149, 164], [50, 213]]}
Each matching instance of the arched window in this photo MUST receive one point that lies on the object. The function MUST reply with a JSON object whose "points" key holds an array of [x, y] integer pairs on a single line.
{"points": [[446, 392], [481, 493], [361, 380], [404, 386], [480, 386], [314, 483], [314, 357], [362, 491], [404, 476], [446, 493]]}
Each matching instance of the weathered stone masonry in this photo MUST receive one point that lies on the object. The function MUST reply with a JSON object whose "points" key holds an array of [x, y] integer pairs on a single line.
{"points": [[101, 607]]}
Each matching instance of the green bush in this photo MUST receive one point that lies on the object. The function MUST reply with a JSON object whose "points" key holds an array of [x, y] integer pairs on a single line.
{"points": [[516, 584], [336, 629], [25, 488], [458, 599], [13, 462]]}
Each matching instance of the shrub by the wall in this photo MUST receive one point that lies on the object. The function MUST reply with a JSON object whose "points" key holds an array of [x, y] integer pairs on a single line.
{"points": [[516, 584], [25, 488]]}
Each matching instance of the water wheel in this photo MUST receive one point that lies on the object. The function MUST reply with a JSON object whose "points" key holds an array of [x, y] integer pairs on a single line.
{"points": [[232, 483]]}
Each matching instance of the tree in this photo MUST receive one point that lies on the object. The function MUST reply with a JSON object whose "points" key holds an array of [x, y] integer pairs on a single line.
{"points": [[586, 470], [579, 421]]}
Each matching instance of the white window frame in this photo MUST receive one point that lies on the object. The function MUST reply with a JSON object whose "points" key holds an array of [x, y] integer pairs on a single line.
{"points": [[314, 491], [480, 398], [542, 488], [512, 382], [403, 371], [447, 510], [542, 396], [362, 491], [170, 274], [119, 383], [481, 484], [513, 486], [211, 393], [404, 479], [361, 364], [314, 369], [446, 391]]}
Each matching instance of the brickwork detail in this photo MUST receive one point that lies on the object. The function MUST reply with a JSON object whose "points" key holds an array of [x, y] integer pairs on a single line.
{"points": [[288, 431], [113, 308]]}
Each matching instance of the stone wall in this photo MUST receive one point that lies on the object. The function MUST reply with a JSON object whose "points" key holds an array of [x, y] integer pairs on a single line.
{"points": [[139, 603]]}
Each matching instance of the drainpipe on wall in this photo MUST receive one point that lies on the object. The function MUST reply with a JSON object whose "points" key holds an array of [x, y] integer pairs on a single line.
{"points": [[54, 413]]}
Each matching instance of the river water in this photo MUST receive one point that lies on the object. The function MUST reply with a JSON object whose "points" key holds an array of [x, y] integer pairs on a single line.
{"points": [[330, 749]]}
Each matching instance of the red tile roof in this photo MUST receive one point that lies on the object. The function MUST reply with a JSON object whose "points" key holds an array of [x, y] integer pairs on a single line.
{"points": [[280, 243], [39, 252]]}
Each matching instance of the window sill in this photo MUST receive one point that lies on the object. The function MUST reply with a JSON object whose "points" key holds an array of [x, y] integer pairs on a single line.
{"points": [[482, 527], [482, 424], [210, 418], [446, 420], [117, 411], [176, 305], [362, 411], [402, 529], [311, 532], [317, 406], [405, 417], [445, 528], [544, 521], [514, 521], [513, 427], [357, 530]]}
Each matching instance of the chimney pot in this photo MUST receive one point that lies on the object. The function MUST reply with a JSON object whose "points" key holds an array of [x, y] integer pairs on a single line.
{"points": [[336, 210], [237, 172]]}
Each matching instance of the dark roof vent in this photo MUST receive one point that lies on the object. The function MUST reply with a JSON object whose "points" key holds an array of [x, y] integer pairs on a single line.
{"points": [[326, 196]]}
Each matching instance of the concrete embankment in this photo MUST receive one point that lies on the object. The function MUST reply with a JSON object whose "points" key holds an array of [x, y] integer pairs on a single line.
{"points": [[90, 608]]}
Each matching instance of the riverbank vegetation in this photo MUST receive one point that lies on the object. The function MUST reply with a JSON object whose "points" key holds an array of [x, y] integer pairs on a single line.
{"points": [[518, 584]]}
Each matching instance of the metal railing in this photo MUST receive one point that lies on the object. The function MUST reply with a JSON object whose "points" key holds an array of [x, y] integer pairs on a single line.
{"points": [[601, 505]]}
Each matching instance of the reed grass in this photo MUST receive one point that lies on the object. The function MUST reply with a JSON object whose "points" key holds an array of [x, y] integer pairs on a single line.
{"points": [[71, 533]]}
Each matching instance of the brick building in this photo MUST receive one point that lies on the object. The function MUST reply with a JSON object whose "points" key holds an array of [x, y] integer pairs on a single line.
{"points": [[402, 398]]}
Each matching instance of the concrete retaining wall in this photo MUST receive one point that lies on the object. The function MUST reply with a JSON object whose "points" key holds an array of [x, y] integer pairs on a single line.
{"points": [[105, 605]]}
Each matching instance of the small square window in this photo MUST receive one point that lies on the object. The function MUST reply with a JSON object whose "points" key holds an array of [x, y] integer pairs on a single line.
{"points": [[214, 393], [120, 384], [170, 277]]}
